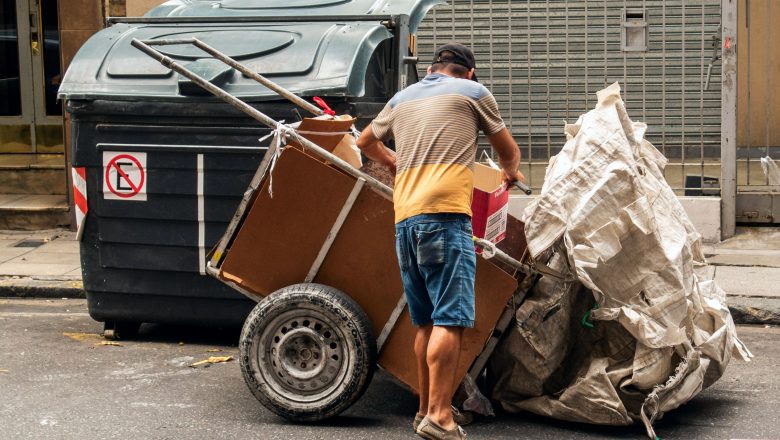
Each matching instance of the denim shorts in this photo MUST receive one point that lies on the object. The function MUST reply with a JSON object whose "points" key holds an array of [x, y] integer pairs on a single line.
{"points": [[438, 265]]}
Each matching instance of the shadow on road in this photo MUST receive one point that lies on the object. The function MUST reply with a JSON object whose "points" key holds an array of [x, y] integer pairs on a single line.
{"points": [[226, 336]]}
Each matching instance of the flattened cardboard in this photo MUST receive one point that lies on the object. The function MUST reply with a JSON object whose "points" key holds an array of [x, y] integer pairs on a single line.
{"points": [[493, 290], [515, 243], [362, 261], [282, 235]]}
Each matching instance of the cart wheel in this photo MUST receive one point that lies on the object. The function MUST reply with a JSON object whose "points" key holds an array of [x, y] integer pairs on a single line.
{"points": [[115, 330], [307, 352]]}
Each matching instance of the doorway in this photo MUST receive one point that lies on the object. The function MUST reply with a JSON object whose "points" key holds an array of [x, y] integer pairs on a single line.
{"points": [[758, 112], [30, 116]]}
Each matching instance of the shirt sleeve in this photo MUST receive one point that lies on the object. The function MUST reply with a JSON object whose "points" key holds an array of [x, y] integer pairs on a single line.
{"points": [[489, 117], [383, 124]]}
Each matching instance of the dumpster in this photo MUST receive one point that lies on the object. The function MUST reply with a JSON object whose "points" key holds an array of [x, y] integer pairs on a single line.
{"points": [[166, 164]]}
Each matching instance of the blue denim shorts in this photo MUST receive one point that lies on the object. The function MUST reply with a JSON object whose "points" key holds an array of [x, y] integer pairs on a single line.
{"points": [[438, 266]]}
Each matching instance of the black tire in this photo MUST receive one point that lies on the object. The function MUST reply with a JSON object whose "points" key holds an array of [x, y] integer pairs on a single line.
{"points": [[307, 352]]}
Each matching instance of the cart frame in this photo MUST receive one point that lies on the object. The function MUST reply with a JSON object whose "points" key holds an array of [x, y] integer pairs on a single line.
{"points": [[525, 272]]}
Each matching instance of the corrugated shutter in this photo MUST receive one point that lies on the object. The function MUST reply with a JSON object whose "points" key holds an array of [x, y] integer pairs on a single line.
{"points": [[545, 60]]}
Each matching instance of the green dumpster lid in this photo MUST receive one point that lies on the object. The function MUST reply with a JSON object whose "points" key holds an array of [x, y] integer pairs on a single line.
{"points": [[415, 9], [314, 58]]}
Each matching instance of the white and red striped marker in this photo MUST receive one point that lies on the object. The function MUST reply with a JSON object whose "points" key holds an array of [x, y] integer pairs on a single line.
{"points": [[80, 198]]}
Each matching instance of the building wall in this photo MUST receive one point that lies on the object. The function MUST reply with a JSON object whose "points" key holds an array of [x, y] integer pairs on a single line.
{"points": [[130, 8], [137, 8], [758, 88], [545, 60], [79, 20]]}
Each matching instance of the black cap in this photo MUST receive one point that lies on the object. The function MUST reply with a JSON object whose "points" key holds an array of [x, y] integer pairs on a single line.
{"points": [[461, 55]]}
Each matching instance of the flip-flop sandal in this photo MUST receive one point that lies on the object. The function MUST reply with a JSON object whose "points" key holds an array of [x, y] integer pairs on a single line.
{"points": [[431, 431]]}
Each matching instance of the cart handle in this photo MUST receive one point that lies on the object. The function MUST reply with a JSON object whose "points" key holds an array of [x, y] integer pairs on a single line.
{"points": [[382, 189], [490, 251], [522, 187]]}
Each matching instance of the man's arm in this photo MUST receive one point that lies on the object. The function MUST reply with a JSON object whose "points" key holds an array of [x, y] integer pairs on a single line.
{"points": [[374, 149], [508, 154]]}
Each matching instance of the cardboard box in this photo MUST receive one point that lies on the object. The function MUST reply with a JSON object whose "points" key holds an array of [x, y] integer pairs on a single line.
{"points": [[490, 203], [334, 135]]}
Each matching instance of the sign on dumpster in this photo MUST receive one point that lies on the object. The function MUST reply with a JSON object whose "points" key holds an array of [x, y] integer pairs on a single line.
{"points": [[124, 176]]}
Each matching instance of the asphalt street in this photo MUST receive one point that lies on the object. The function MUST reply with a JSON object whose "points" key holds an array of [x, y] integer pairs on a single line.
{"points": [[59, 381]]}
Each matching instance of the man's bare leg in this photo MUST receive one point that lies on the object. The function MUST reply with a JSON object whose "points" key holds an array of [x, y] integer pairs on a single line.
{"points": [[443, 355], [421, 352]]}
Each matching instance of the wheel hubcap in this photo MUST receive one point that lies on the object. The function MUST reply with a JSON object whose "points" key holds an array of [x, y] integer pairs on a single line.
{"points": [[299, 352], [303, 353]]}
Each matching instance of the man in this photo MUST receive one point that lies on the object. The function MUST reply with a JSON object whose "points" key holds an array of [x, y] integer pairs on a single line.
{"points": [[435, 124]]}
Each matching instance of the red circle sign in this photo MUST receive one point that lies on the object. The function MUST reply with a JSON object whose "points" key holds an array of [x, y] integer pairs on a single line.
{"points": [[135, 188]]}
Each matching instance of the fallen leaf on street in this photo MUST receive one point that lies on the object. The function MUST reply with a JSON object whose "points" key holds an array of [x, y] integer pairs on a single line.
{"points": [[4, 371], [111, 343], [213, 360]]}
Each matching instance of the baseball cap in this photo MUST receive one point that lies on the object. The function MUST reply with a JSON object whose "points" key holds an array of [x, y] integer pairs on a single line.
{"points": [[461, 55]]}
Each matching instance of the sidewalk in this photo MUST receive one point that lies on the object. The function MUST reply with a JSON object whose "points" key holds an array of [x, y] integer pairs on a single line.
{"points": [[747, 267], [40, 264]]}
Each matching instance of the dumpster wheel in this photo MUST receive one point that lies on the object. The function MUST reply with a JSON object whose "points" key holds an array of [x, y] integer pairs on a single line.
{"points": [[307, 352], [116, 330]]}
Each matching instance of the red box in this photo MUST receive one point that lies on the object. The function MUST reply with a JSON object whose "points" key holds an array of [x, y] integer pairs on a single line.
{"points": [[490, 204]]}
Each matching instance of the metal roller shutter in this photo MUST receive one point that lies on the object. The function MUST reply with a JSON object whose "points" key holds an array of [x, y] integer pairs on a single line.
{"points": [[545, 60]]}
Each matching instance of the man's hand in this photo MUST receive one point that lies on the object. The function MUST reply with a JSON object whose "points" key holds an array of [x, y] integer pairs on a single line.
{"points": [[509, 179], [374, 149]]}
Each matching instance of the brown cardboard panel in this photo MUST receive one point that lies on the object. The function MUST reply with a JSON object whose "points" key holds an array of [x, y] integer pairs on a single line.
{"points": [[515, 243], [283, 234], [493, 290], [362, 261]]}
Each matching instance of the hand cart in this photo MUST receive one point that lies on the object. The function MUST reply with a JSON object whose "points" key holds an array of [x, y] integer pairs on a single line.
{"points": [[313, 243]]}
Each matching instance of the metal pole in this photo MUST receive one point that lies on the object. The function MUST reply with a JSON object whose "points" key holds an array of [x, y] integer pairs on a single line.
{"points": [[728, 120], [281, 91], [257, 115], [402, 58], [297, 100]]}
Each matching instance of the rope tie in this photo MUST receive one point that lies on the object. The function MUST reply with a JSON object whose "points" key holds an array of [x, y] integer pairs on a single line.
{"points": [[280, 134]]}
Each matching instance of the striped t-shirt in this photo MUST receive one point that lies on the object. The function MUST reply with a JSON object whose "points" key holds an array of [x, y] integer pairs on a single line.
{"points": [[435, 124]]}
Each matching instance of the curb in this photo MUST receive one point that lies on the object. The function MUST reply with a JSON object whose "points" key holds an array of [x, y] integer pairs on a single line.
{"points": [[744, 309], [37, 288], [754, 310]]}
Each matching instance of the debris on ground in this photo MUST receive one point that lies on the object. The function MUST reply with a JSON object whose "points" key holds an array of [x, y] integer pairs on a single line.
{"points": [[5, 371], [109, 343], [213, 350], [212, 360], [642, 330]]}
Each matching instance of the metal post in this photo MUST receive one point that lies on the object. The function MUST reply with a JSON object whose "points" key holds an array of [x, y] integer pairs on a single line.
{"points": [[295, 99], [402, 58], [728, 120]]}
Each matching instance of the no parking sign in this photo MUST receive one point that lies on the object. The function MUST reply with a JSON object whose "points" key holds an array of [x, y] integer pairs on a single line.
{"points": [[124, 176]]}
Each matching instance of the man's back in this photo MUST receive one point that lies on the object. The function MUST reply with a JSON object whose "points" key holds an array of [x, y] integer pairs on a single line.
{"points": [[435, 124]]}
